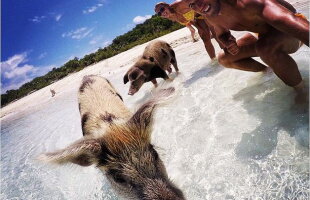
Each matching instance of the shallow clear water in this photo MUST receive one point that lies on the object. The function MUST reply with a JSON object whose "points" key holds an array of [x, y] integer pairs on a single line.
{"points": [[228, 134]]}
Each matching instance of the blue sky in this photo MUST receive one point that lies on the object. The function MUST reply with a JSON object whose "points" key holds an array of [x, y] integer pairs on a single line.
{"points": [[38, 35]]}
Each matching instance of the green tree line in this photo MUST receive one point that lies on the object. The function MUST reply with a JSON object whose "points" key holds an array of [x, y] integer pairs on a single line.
{"points": [[149, 30]]}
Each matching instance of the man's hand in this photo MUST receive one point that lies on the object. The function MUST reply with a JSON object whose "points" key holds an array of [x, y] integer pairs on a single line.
{"points": [[232, 48], [229, 43]]}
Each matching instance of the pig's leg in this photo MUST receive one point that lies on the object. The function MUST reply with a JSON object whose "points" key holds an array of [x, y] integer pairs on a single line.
{"points": [[154, 82]]}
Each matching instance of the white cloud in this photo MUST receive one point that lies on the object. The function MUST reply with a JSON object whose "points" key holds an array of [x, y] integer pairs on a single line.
{"points": [[128, 27], [42, 70], [42, 55], [70, 58], [78, 33], [93, 8], [96, 40], [18, 71], [99, 40], [13, 62], [52, 15], [58, 17], [37, 19], [13, 86], [93, 42], [15, 72], [141, 19], [107, 43]]}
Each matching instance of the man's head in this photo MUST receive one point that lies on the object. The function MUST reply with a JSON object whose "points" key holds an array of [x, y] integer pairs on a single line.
{"points": [[205, 7], [163, 9]]}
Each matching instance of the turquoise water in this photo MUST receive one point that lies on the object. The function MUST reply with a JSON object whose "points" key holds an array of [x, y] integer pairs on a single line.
{"points": [[227, 135]]}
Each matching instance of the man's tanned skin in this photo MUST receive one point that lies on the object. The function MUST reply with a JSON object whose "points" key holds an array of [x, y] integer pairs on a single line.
{"points": [[280, 32], [175, 11]]}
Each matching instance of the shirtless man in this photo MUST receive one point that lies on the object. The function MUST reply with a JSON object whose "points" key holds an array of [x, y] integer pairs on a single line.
{"points": [[279, 27], [181, 13]]}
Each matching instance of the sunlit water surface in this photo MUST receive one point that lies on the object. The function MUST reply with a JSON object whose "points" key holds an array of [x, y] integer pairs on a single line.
{"points": [[228, 134]]}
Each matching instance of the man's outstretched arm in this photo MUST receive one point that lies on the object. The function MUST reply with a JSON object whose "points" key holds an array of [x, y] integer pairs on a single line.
{"points": [[285, 20], [228, 41]]}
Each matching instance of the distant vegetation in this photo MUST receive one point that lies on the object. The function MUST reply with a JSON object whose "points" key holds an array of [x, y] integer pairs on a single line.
{"points": [[150, 29]]}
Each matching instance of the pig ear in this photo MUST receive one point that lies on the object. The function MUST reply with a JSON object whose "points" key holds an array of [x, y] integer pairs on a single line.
{"points": [[143, 117], [84, 152], [164, 52], [125, 79], [158, 72]]}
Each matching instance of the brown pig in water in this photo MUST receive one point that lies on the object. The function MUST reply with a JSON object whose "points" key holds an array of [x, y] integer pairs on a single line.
{"points": [[119, 142], [155, 61]]}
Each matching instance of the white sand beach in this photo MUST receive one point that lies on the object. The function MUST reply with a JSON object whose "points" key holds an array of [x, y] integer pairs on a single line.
{"points": [[228, 134]]}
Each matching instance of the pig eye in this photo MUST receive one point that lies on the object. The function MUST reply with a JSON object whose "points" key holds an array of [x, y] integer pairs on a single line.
{"points": [[134, 76], [152, 59]]}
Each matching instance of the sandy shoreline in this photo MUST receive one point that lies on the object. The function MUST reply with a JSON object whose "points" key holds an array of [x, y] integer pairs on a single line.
{"points": [[71, 82], [104, 68]]}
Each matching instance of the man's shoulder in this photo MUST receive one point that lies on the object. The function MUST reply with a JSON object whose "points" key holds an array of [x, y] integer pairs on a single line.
{"points": [[252, 2]]}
